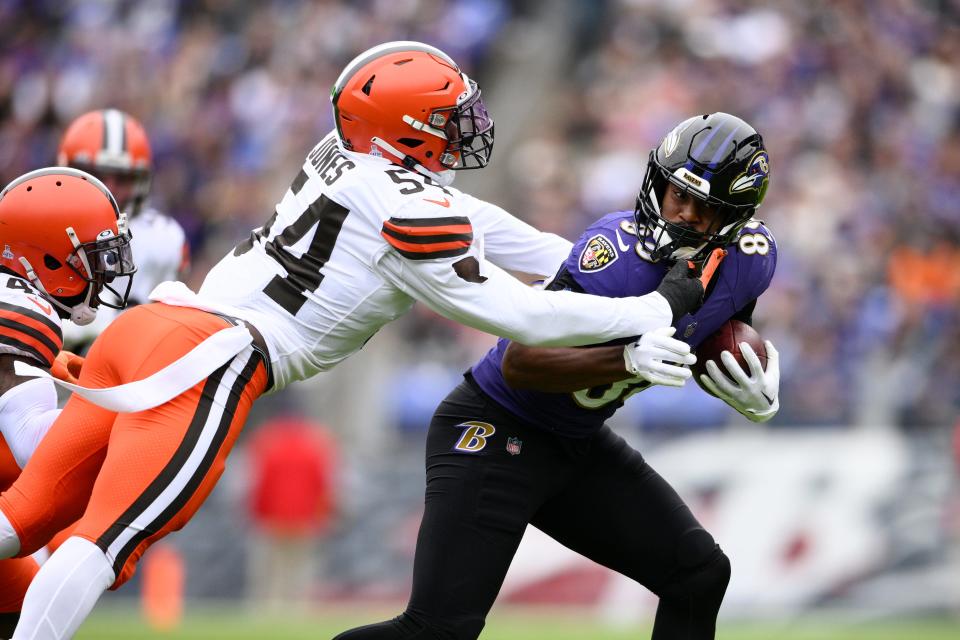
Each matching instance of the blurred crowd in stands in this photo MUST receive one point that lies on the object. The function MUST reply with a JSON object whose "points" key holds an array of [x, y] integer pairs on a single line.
{"points": [[858, 101]]}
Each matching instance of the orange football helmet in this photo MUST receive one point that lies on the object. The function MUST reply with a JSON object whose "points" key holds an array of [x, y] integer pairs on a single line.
{"points": [[113, 146], [61, 229], [410, 102]]}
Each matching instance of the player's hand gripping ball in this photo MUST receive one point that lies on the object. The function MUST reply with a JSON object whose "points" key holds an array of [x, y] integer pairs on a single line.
{"points": [[740, 369], [728, 338]]}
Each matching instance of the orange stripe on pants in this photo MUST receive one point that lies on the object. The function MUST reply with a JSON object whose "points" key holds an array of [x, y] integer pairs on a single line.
{"points": [[133, 478]]}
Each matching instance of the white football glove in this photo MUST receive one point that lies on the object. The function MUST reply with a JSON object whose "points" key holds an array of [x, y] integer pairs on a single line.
{"points": [[652, 358], [756, 395]]}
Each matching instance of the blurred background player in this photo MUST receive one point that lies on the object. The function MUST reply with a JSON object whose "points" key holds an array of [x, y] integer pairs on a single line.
{"points": [[168, 385], [292, 504], [523, 441], [64, 241], [113, 146]]}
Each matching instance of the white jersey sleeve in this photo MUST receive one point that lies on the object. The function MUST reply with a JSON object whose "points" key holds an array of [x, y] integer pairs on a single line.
{"points": [[27, 411], [504, 306], [29, 330], [424, 264], [514, 245]]}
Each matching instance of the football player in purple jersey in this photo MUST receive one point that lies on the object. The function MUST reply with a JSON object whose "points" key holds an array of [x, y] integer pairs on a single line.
{"points": [[523, 441]]}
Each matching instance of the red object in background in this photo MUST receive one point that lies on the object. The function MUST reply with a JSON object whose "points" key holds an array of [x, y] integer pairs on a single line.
{"points": [[583, 584], [293, 462], [956, 444]]}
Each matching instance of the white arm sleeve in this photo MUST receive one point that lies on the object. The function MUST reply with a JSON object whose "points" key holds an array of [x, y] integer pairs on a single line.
{"points": [[504, 306], [26, 413], [512, 244]]}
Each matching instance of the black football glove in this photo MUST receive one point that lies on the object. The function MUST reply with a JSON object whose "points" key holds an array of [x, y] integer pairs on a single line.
{"points": [[684, 284]]}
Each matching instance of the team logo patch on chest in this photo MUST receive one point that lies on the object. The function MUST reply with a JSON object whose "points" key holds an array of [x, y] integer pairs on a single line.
{"points": [[598, 254]]}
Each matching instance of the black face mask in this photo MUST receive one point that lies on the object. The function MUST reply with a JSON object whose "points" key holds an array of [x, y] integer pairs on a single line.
{"points": [[469, 130]]}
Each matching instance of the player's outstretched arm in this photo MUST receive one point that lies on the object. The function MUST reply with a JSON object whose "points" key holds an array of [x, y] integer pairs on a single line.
{"points": [[756, 396], [500, 304], [656, 357]]}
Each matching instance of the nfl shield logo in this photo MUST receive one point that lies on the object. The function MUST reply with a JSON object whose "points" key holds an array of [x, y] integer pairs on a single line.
{"points": [[513, 446]]}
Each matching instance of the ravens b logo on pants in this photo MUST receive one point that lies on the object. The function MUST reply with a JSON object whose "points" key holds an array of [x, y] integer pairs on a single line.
{"points": [[474, 436]]}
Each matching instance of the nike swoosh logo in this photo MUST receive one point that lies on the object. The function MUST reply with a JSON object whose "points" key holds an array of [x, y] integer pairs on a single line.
{"points": [[443, 203], [620, 243], [47, 309], [769, 399]]}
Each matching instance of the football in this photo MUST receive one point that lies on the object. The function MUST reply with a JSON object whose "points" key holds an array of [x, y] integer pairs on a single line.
{"points": [[728, 338]]}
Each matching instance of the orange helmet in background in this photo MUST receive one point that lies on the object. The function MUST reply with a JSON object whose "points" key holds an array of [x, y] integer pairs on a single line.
{"points": [[113, 146], [62, 231], [410, 102]]}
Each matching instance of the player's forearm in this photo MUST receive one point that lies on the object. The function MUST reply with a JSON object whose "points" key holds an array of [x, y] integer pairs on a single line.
{"points": [[504, 306], [562, 369]]}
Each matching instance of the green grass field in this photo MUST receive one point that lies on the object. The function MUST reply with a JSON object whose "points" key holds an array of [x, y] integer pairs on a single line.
{"points": [[114, 624]]}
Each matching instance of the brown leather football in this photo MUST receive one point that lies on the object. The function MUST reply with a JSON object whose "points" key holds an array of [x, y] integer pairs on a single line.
{"points": [[728, 338]]}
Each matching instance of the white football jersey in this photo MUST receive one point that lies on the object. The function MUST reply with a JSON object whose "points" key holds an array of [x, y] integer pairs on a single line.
{"points": [[356, 239], [29, 329], [160, 251], [29, 324]]}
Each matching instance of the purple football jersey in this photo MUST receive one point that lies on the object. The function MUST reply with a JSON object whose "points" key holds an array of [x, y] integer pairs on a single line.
{"points": [[607, 260]]}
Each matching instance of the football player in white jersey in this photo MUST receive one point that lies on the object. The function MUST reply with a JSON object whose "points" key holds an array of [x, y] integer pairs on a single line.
{"points": [[63, 240], [113, 146], [368, 226]]}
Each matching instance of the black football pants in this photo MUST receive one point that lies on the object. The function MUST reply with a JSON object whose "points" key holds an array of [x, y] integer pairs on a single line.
{"points": [[595, 495]]}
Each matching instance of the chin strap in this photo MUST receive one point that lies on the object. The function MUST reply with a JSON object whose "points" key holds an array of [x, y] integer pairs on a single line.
{"points": [[444, 179], [80, 314]]}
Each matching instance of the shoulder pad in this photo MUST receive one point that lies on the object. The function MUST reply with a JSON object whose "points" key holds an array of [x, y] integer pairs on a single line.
{"points": [[425, 238], [755, 239], [29, 324]]}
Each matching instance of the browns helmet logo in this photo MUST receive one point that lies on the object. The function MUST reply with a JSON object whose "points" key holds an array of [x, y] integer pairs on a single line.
{"points": [[598, 254]]}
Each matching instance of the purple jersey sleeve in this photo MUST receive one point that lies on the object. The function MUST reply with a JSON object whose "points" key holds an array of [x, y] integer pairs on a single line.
{"points": [[604, 260]]}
